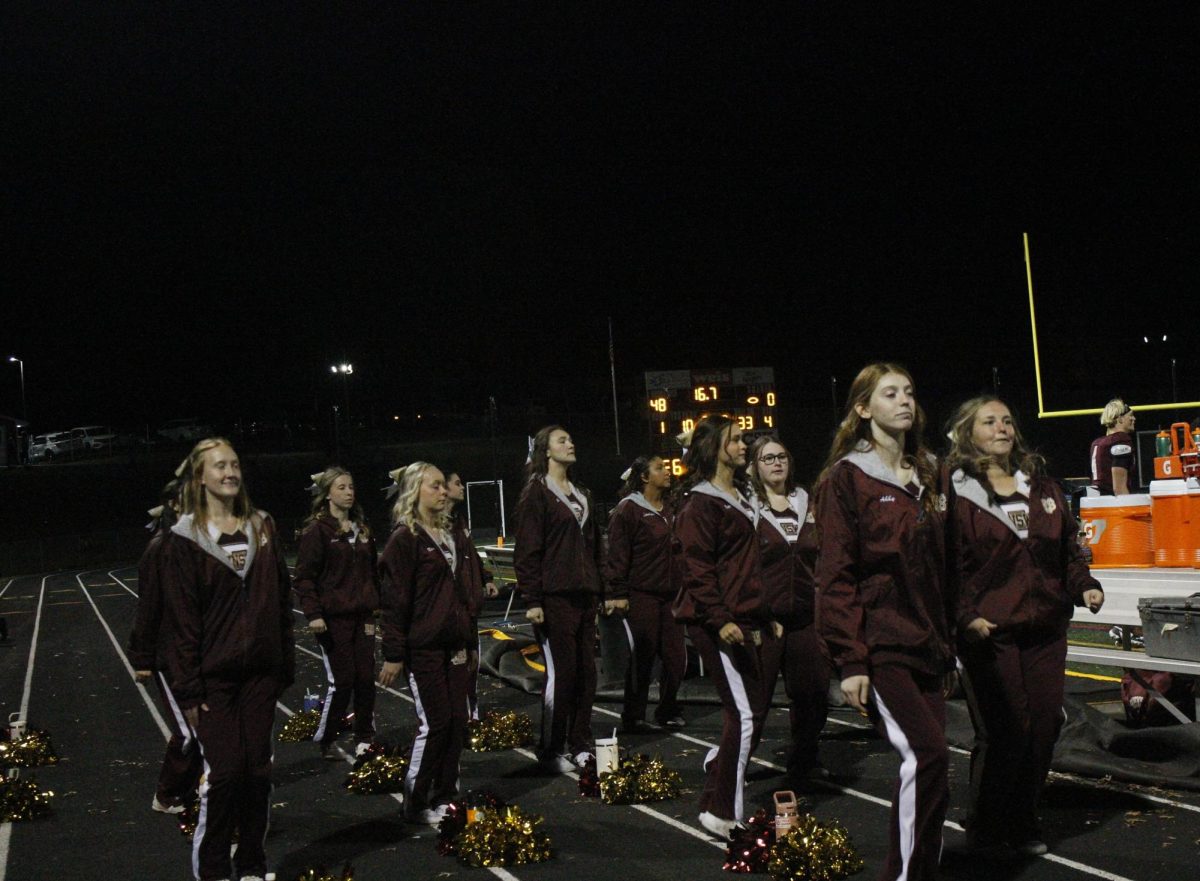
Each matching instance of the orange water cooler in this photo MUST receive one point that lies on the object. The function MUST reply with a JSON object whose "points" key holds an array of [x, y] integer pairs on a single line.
{"points": [[1119, 531], [1174, 529]]}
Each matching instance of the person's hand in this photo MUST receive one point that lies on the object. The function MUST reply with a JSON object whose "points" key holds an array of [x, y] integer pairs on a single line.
{"points": [[390, 672], [317, 625], [142, 675], [857, 690], [534, 615], [490, 590], [1093, 599], [192, 715], [611, 606], [777, 629], [731, 634], [979, 629], [949, 683]]}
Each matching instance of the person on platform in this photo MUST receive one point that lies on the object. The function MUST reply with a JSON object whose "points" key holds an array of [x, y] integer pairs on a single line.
{"points": [[1019, 571], [1114, 456], [430, 596], [338, 591], [228, 597], [179, 776], [638, 570], [787, 534], [715, 554], [558, 561], [883, 603]]}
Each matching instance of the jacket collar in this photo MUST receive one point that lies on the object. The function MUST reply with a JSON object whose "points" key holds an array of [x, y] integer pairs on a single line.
{"points": [[639, 499], [707, 488], [972, 490], [562, 497], [866, 458], [186, 527], [797, 501], [452, 534]]}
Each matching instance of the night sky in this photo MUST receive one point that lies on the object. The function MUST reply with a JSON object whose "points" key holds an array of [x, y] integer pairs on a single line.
{"points": [[207, 204]]}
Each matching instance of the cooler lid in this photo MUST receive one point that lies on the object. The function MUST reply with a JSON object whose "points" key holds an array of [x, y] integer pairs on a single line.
{"points": [[1168, 487], [1140, 500], [1171, 604]]}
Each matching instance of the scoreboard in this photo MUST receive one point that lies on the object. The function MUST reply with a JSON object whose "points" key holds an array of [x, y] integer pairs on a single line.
{"points": [[677, 399]]}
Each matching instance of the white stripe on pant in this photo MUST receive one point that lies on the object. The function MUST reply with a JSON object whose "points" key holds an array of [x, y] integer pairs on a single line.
{"points": [[738, 688], [177, 714], [328, 697], [418, 747], [547, 695], [907, 804]]}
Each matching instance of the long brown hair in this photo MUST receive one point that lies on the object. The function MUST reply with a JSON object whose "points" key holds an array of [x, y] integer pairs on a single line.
{"points": [[854, 429], [538, 465], [704, 451], [320, 506], [760, 489], [965, 455], [193, 499]]}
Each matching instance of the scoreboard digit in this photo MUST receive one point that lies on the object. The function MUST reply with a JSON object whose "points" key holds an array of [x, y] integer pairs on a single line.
{"points": [[677, 399]]}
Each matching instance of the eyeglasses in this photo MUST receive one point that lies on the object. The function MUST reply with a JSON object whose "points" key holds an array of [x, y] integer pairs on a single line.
{"points": [[772, 458]]}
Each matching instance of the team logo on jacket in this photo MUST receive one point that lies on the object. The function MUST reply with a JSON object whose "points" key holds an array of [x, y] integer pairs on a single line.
{"points": [[1049, 505], [941, 502]]}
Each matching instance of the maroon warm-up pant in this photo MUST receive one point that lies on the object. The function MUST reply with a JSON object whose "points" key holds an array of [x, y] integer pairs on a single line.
{"points": [[181, 765], [909, 710], [652, 632], [1014, 686], [567, 637], [737, 673], [801, 656], [349, 654], [439, 691], [234, 734]]}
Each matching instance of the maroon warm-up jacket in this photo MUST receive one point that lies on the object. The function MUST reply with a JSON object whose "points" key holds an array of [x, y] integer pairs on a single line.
{"points": [[1018, 584], [334, 575], [639, 549], [226, 627], [425, 604], [715, 557], [883, 595], [554, 553], [788, 569], [149, 636]]}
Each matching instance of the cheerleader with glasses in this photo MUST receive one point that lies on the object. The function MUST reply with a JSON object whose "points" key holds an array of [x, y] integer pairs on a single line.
{"points": [[338, 591]]}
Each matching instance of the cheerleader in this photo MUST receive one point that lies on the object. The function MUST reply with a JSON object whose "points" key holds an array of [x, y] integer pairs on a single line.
{"points": [[337, 588], [1019, 571], [882, 603], [787, 535], [228, 597], [557, 562], [429, 599], [180, 773], [638, 570], [715, 558]]}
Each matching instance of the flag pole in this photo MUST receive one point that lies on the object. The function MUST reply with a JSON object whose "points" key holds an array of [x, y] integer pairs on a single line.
{"points": [[612, 369]]}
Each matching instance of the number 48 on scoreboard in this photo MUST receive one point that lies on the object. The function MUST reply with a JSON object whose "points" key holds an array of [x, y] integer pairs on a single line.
{"points": [[677, 399]]}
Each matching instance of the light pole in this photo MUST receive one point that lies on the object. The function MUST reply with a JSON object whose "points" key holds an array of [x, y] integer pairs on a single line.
{"points": [[345, 369], [13, 359]]}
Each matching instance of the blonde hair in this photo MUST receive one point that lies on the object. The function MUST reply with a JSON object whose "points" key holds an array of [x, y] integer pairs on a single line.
{"points": [[405, 512], [194, 498], [324, 482], [1113, 411]]}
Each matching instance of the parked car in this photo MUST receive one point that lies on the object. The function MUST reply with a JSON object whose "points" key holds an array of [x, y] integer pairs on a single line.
{"points": [[185, 430], [49, 447], [94, 437]]}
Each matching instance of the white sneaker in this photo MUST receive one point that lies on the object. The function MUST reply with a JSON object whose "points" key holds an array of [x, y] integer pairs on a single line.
{"points": [[722, 829], [361, 748], [157, 805], [557, 764], [581, 759], [428, 816]]}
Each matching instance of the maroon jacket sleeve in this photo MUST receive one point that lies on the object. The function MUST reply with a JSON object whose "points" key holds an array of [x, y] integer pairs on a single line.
{"points": [[530, 534], [148, 622], [181, 594], [620, 552], [310, 561], [397, 571], [839, 611], [698, 531]]}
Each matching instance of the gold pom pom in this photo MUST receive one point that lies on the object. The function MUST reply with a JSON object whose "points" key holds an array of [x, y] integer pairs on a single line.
{"points": [[30, 751], [506, 837], [301, 726], [378, 774], [638, 780], [22, 800], [499, 731], [322, 875], [814, 851]]}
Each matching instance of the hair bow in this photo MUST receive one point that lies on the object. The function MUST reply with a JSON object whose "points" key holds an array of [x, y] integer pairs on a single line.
{"points": [[529, 455], [394, 488], [183, 466], [627, 473]]}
